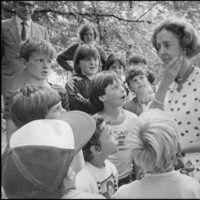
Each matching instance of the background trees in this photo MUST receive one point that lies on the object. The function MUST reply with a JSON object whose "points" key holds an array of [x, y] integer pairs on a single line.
{"points": [[124, 27]]}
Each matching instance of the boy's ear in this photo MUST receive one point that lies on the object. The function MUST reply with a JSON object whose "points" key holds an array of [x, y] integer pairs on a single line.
{"points": [[95, 149], [102, 98], [23, 61]]}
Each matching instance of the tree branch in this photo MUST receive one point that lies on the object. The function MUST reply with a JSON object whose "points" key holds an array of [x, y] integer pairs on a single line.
{"points": [[146, 11]]}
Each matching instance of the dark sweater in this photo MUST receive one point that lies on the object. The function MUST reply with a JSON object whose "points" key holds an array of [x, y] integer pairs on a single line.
{"points": [[78, 90], [68, 55]]}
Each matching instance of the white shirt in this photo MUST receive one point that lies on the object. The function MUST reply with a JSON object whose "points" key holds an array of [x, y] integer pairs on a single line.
{"points": [[170, 185], [27, 26]]}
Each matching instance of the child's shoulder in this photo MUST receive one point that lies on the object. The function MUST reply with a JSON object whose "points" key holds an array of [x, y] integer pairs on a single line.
{"points": [[60, 89], [130, 114]]}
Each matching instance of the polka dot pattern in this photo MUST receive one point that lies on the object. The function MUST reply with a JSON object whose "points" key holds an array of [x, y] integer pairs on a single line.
{"points": [[184, 107]]}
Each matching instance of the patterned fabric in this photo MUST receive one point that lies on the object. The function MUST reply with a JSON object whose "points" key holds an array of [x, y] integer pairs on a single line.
{"points": [[98, 180], [184, 106]]}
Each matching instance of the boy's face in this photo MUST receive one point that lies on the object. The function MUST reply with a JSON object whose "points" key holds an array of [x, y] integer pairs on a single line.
{"points": [[117, 67], [109, 144], [139, 84], [115, 94], [55, 111], [38, 66], [89, 66]]}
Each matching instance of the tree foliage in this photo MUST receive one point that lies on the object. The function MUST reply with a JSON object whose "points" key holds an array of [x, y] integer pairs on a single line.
{"points": [[124, 27]]}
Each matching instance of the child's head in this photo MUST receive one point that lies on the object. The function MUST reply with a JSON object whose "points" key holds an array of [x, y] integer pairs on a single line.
{"points": [[87, 33], [137, 79], [116, 64], [103, 81], [140, 61], [154, 141], [86, 60], [37, 55], [136, 60], [32, 102], [102, 143], [36, 45], [41, 153]]}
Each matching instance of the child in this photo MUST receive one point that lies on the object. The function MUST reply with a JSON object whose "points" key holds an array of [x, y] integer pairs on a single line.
{"points": [[86, 65], [116, 64], [36, 55], [98, 171], [40, 155], [154, 143], [108, 94], [137, 60], [32, 102], [138, 83]]}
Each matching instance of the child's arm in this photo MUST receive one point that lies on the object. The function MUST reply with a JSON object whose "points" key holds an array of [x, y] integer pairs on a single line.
{"points": [[76, 100], [65, 56]]}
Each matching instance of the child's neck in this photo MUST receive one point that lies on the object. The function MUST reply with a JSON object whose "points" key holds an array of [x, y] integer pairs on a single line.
{"points": [[90, 77], [98, 161], [32, 80], [113, 114]]}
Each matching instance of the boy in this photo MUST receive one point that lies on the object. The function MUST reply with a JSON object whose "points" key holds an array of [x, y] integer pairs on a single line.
{"points": [[98, 171], [86, 65], [154, 143], [138, 83], [108, 94], [40, 155], [36, 56]]}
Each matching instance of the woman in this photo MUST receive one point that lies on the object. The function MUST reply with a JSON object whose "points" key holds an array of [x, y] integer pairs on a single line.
{"points": [[176, 42], [87, 35]]}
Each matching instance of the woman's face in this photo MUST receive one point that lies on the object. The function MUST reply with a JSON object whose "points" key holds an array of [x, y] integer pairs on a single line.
{"points": [[168, 46]]}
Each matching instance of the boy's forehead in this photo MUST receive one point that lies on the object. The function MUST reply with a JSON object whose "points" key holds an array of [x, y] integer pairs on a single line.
{"points": [[40, 54]]}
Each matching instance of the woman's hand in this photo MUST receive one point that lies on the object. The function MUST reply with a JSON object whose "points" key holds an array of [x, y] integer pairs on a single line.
{"points": [[171, 71]]}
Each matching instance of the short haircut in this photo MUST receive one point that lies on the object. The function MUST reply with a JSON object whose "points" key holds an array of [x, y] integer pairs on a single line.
{"points": [[187, 36], [98, 85], [154, 141], [32, 102], [84, 51], [130, 74], [36, 45], [136, 59], [87, 153], [112, 58], [137, 70], [84, 28]]}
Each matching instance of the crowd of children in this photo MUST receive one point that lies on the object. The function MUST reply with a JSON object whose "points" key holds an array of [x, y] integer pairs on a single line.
{"points": [[110, 133]]}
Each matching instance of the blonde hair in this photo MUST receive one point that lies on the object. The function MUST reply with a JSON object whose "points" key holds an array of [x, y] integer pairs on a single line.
{"points": [[154, 141]]}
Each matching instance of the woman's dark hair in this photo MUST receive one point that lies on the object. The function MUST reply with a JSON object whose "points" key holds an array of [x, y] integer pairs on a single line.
{"points": [[187, 36]]}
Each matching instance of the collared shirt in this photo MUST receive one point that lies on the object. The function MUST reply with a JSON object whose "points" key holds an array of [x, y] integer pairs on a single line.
{"points": [[27, 27]]}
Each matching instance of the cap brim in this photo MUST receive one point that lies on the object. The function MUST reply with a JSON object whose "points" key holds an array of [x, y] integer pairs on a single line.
{"points": [[83, 126]]}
